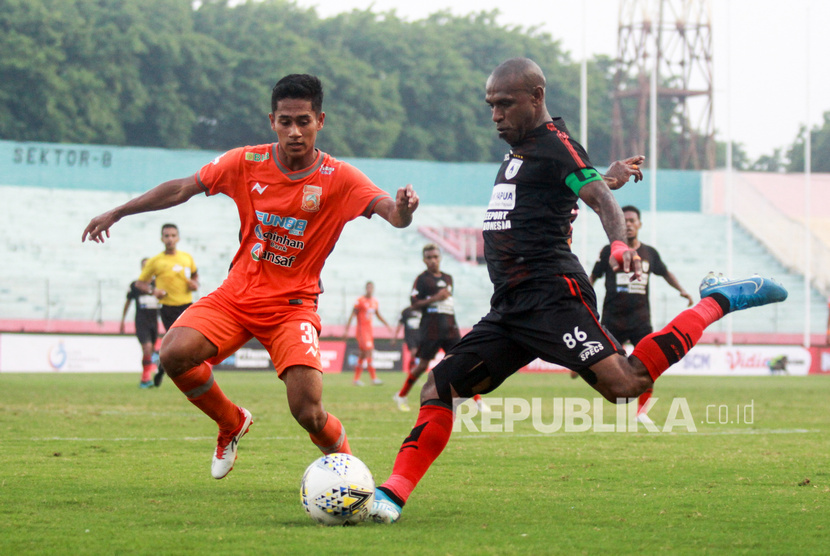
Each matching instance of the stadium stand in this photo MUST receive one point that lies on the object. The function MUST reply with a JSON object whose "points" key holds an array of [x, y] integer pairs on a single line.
{"points": [[50, 274]]}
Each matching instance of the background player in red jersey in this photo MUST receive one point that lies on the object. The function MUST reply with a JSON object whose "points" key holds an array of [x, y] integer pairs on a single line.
{"points": [[293, 201], [543, 304], [626, 311], [365, 308]]}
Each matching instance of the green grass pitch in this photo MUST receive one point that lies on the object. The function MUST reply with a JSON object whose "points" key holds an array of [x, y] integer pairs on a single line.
{"points": [[90, 464]]}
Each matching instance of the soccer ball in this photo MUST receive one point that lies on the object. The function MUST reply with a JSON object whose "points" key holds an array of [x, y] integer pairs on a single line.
{"points": [[337, 489]]}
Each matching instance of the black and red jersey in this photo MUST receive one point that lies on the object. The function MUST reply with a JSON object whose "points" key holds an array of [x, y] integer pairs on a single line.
{"points": [[438, 318], [528, 220], [626, 301]]}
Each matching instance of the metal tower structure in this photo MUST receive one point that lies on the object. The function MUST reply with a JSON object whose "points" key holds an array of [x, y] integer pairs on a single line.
{"points": [[678, 34]]}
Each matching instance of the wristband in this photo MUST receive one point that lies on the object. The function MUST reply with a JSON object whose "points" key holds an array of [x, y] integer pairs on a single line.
{"points": [[617, 249]]}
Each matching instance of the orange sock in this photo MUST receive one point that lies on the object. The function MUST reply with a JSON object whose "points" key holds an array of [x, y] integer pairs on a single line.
{"points": [[371, 369], [332, 438], [203, 392], [358, 369], [148, 370]]}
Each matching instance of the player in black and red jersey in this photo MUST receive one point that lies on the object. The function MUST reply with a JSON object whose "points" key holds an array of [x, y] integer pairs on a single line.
{"points": [[543, 304], [626, 312], [432, 295]]}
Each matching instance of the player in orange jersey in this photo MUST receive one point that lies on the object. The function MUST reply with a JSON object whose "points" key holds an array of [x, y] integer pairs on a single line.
{"points": [[293, 201], [364, 309]]}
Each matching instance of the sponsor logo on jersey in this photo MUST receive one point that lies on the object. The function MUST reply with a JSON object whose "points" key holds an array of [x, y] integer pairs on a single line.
{"points": [[277, 241], [258, 253], [216, 160], [503, 197], [590, 348], [258, 188], [495, 220], [295, 226], [327, 170], [512, 168], [257, 157], [312, 195]]}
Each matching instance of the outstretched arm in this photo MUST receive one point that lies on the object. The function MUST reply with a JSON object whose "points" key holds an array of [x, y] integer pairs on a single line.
{"points": [[124, 315], [348, 324], [399, 212], [672, 280], [165, 195], [597, 196], [383, 320], [621, 171]]}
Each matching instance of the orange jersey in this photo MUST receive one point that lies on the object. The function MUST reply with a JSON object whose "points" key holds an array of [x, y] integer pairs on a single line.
{"points": [[365, 310], [290, 222]]}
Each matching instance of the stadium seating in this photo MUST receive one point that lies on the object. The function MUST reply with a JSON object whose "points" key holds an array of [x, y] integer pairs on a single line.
{"points": [[50, 274]]}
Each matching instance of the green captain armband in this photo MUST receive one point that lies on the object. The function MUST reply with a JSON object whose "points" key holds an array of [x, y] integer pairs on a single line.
{"points": [[582, 177]]}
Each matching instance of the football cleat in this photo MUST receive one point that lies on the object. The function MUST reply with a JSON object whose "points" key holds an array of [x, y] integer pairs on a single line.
{"points": [[377, 381], [226, 444], [743, 294], [401, 401], [146, 384], [158, 377], [358, 383], [384, 510], [644, 419]]}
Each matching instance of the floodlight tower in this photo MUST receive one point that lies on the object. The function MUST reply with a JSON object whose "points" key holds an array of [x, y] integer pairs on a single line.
{"points": [[678, 33]]}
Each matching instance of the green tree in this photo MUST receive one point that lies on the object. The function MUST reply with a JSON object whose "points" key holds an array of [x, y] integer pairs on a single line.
{"points": [[820, 146]]}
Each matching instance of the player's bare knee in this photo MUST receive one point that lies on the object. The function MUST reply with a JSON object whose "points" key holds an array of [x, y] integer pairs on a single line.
{"points": [[429, 391], [622, 391], [312, 418]]}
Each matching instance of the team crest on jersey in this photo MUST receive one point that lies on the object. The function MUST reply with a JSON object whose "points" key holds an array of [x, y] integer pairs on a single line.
{"points": [[312, 195], [512, 168], [257, 157]]}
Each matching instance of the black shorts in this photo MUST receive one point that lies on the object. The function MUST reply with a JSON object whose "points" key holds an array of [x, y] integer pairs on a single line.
{"points": [[147, 326], [169, 314], [631, 334], [429, 347], [563, 328]]}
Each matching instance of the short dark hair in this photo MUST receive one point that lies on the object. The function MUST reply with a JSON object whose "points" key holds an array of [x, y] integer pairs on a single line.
{"points": [[299, 86], [168, 225], [430, 247], [632, 208]]}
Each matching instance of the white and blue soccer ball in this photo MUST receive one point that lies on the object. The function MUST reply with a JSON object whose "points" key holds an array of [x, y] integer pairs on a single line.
{"points": [[337, 489]]}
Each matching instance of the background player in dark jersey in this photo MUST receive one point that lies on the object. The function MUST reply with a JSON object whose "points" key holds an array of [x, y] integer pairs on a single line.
{"points": [[626, 311], [410, 323], [146, 326], [543, 304], [432, 295]]}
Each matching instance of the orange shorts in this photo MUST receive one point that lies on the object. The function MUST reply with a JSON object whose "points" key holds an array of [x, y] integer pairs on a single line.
{"points": [[365, 339], [290, 333]]}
